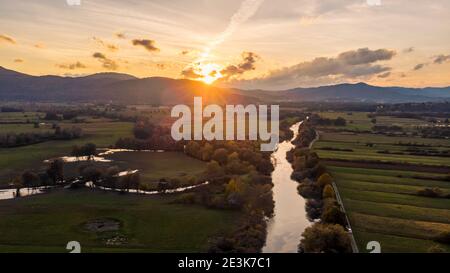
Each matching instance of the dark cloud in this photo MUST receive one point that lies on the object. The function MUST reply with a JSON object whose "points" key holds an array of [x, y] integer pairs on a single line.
{"points": [[365, 56], [441, 59], [384, 75], [408, 50], [120, 35], [18, 60], [7, 39], [349, 65], [106, 63], [419, 66], [161, 66], [248, 63], [147, 44], [184, 52], [108, 46], [190, 73], [72, 66]]}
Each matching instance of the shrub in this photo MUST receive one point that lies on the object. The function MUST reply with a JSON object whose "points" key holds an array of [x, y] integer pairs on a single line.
{"points": [[333, 215], [325, 238], [328, 192], [324, 179]]}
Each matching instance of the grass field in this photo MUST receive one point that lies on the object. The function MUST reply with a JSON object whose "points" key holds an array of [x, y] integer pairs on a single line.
{"points": [[154, 166], [45, 223], [383, 204], [384, 207], [14, 160]]}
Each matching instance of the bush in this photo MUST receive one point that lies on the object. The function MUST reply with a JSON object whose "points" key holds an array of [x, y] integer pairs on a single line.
{"points": [[333, 215], [185, 198], [430, 192], [443, 238], [324, 179], [309, 189], [328, 192], [325, 238]]}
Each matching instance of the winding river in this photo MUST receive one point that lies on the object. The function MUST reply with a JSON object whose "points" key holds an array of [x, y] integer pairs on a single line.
{"points": [[290, 220]]}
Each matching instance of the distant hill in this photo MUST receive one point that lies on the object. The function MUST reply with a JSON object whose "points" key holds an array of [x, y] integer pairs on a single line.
{"points": [[123, 88], [111, 87]]}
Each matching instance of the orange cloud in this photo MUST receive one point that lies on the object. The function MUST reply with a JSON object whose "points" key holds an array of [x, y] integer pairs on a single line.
{"points": [[5, 38], [147, 44]]}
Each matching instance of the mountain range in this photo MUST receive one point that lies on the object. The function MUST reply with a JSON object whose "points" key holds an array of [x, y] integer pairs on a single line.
{"points": [[123, 88]]}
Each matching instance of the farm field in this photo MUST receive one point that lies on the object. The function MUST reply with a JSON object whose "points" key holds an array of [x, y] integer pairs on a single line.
{"points": [[14, 160], [385, 204], [149, 224]]}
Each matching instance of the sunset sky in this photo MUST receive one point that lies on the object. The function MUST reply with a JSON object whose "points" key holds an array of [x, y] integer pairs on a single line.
{"points": [[253, 44]]}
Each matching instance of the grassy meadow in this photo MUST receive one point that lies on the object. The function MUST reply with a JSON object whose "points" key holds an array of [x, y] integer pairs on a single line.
{"points": [[45, 223], [14, 160]]}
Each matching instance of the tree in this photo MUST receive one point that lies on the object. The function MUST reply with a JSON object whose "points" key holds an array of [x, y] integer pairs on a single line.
{"points": [[89, 150], [333, 215], [92, 173], [135, 181], [213, 169], [30, 179], [207, 152], [220, 155], [328, 192], [324, 179], [17, 182], [325, 238], [143, 130], [56, 171], [340, 122]]}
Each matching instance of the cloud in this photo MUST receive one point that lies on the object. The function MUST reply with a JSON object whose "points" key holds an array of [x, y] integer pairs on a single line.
{"points": [[72, 66], [106, 63], [40, 46], [384, 75], [349, 65], [18, 60], [147, 44], [247, 64], [419, 66], [246, 10], [120, 35], [441, 59], [408, 50], [7, 39], [161, 66], [108, 46], [190, 73], [185, 52], [365, 56]]}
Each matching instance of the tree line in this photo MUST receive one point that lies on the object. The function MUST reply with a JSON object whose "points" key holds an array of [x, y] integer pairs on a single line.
{"points": [[315, 185]]}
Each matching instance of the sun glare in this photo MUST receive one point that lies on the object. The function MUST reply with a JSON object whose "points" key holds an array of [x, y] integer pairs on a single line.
{"points": [[210, 72]]}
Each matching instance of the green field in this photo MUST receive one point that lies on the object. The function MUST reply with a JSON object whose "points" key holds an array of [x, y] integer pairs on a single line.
{"points": [[154, 166], [13, 161], [45, 223], [383, 204]]}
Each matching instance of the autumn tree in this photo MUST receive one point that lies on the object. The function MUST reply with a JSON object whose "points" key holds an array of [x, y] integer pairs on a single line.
{"points": [[325, 238]]}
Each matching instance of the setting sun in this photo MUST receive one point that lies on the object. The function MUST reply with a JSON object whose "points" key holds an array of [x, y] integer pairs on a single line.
{"points": [[210, 72]]}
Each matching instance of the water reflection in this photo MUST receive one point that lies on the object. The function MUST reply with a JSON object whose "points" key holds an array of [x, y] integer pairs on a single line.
{"points": [[290, 219]]}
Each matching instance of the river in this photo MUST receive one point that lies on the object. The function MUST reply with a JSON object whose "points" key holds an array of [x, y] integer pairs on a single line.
{"points": [[289, 221]]}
